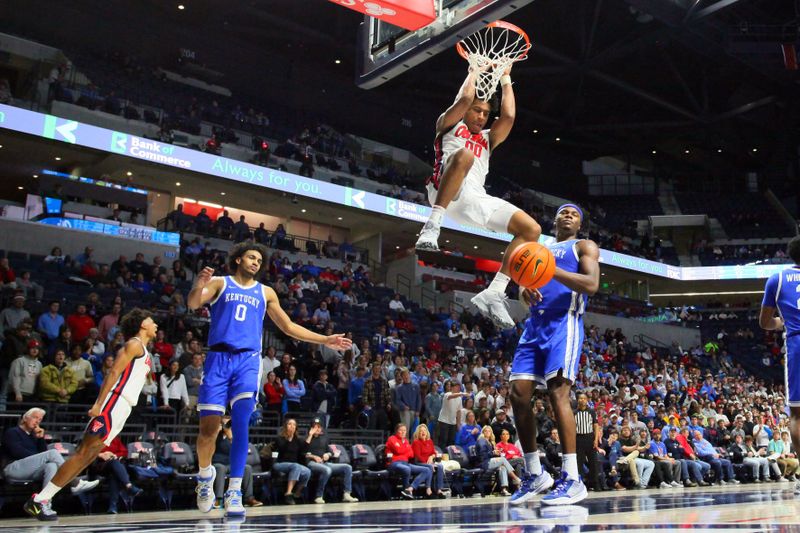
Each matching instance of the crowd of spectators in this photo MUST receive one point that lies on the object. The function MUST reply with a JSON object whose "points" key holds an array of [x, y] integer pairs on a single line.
{"points": [[664, 417]]}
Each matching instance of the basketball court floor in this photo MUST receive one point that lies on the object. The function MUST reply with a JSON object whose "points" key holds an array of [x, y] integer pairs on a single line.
{"points": [[742, 509]]}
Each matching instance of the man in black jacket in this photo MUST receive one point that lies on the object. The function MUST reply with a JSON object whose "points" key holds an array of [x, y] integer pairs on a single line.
{"points": [[323, 460], [688, 465], [501, 422]]}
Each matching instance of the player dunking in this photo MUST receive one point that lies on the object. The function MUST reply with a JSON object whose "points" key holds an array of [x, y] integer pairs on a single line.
{"points": [[782, 294], [118, 396], [233, 363], [548, 354], [456, 187]]}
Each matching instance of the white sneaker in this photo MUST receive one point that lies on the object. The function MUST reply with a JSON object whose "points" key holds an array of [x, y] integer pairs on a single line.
{"points": [[205, 492], [665, 485], [319, 500], [233, 503], [677, 485], [428, 238], [565, 492], [348, 498], [735, 482], [492, 305], [531, 486], [84, 486]]}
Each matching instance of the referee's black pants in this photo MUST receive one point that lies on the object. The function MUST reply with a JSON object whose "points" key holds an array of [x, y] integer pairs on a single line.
{"points": [[585, 453]]}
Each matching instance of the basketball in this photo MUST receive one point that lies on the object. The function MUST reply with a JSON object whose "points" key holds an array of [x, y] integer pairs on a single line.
{"points": [[532, 265]]}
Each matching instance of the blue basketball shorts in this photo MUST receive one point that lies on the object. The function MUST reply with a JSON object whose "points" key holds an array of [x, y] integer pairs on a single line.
{"points": [[792, 371], [228, 377], [551, 342]]}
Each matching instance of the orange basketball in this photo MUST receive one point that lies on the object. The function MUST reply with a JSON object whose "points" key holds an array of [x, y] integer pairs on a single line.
{"points": [[532, 265]]}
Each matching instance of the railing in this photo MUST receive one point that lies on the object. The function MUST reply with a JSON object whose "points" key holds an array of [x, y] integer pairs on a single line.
{"points": [[645, 341], [403, 285], [428, 297]]}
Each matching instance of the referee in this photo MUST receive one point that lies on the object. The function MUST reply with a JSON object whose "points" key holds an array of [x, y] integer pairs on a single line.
{"points": [[588, 439]]}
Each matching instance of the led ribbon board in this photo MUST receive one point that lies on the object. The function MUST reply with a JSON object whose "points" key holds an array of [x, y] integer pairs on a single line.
{"points": [[77, 133]]}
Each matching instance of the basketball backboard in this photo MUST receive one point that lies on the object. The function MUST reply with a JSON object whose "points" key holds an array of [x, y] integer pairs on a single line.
{"points": [[386, 51]]}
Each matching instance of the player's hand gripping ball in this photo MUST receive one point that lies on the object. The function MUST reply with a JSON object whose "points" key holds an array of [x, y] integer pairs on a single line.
{"points": [[532, 265]]}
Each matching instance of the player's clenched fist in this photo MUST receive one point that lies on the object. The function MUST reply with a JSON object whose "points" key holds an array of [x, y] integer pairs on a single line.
{"points": [[204, 277]]}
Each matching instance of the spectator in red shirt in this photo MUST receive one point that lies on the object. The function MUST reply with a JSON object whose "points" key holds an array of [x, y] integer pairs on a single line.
{"points": [[80, 323], [398, 454], [273, 389], [7, 276], [425, 454], [434, 345], [109, 466], [163, 349]]}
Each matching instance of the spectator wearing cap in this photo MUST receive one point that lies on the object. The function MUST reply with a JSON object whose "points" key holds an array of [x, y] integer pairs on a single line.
{"points": [[722, 467], [24, 373], [502, 423], [668, 470], [321, 460], [681, 450], [323, 394], [49, 323], [15, 345], [57, 382], [11, 316]]}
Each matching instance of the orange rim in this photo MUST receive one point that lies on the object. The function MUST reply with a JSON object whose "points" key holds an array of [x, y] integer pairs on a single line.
{"points": [[505, 25]]}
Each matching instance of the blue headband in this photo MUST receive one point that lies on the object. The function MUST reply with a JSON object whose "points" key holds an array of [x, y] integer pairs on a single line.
{"points": [[573, 206]]}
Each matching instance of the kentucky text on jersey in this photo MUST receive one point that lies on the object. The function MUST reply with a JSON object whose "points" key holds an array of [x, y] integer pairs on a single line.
{"points": [[237, 317], [246, 298]]}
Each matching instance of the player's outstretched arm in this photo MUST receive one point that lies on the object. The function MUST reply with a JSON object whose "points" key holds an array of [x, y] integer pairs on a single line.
{"points": [[455, 112], [587, 279], [132, 350], [508, 111], [285, 324], [205, 288]]}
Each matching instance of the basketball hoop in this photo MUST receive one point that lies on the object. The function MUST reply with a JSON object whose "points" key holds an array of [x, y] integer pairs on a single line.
{"points": [[490, 51]]}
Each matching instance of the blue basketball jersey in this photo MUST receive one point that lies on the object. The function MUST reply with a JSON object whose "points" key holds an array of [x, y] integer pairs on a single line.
{"points": [[555, 295], [783, 292], [237, 317]]}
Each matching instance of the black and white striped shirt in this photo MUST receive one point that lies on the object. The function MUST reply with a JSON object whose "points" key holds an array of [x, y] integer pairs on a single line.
{"points": [[585, 421]]}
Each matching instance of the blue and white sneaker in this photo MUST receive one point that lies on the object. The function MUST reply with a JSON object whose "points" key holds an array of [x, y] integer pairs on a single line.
{"points": [[233, 503], [530, 486], [205, 492], [566, 492]]}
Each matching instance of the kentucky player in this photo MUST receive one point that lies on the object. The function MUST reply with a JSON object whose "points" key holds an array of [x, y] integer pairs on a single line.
{"points": [[782, 294], [232, 366], [118, 395], [548, 354], [462, 149]]}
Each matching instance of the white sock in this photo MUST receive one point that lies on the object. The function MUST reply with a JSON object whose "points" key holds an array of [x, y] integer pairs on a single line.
{"points": [[499, 283], [47, 493], [437, 214], [235, 483], [532, 463], [570, 465], [206, 471]]}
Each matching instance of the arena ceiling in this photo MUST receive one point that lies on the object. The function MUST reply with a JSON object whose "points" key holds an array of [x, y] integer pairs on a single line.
{"points": [[606, 77]]}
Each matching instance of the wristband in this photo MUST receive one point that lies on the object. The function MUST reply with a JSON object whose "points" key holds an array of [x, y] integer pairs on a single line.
{"points": [[505, 80]]}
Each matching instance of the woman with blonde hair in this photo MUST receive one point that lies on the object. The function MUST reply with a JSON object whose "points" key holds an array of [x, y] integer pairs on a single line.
{"points": [[491, 460], [425, 455]]}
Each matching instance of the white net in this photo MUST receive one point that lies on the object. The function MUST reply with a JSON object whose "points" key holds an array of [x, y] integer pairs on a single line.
{"points": [[490, 51]]}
